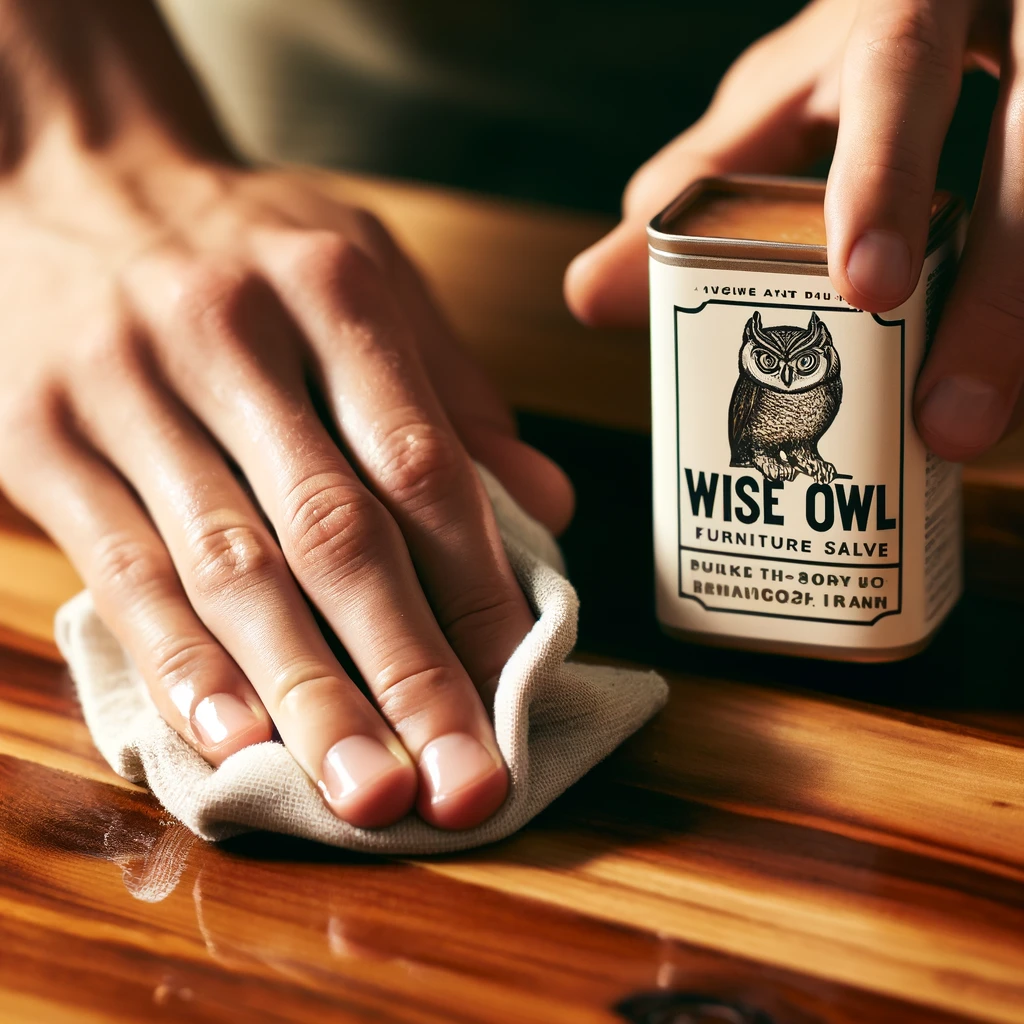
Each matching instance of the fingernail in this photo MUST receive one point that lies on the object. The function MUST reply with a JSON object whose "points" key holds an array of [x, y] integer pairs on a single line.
{"points": [[879, 266], [455, 762], [355, 762], [964, 411], [220, 717]]}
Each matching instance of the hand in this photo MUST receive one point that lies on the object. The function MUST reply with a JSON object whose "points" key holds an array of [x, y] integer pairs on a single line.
{"points": [[894, 69], [231, 401]]}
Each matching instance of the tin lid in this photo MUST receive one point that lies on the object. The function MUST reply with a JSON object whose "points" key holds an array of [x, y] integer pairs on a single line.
{"points": [[763, 218]]}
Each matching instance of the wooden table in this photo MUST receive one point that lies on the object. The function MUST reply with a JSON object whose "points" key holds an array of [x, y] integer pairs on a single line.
{"points": [[799, 842]]}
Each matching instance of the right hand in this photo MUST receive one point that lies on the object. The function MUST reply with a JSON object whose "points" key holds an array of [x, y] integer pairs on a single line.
{"points": [[876, 81], [164, 321]]}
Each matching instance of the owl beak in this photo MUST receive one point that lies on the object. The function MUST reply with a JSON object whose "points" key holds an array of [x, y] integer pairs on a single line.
{"points": [[787, 374]]}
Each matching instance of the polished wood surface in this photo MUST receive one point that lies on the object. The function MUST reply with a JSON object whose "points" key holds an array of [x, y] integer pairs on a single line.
{"points": [[788, 842]]}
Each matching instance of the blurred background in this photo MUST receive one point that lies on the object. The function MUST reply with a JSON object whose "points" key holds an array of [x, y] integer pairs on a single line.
{"points": [[557, 101]]}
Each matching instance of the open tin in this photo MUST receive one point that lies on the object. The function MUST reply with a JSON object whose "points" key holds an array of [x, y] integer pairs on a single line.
{"points": [[796, 510]]}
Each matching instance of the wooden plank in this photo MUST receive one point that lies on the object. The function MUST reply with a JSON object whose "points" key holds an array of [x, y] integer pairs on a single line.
{"points": [[897, 779]]}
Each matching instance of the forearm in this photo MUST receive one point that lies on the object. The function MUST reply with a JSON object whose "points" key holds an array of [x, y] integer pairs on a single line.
{"points": [[100, 78]]}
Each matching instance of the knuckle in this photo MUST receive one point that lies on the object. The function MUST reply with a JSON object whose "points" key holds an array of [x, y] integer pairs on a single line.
{"points": [[126, 567], [748, 71], [110, 352], [373, 236], [900, 167], [211, 297], [418, 465], [30, 415], [333, 263], [176, 658], [304, 691], [479, 625], [644, 182], [752, 60], [228, 556], [481, 612], [404, 695], [911, 43], [333, 526]]}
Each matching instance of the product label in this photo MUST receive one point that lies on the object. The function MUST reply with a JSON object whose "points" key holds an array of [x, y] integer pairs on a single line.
{"points": [[789, 437]]}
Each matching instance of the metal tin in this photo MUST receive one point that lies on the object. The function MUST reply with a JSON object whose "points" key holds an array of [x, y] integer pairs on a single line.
{"points": [[796, 510]]}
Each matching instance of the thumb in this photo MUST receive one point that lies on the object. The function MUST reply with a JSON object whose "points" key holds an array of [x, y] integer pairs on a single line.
{"points": [[774, 112]]}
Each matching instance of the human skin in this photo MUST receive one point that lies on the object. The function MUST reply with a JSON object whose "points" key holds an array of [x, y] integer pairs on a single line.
{"points": [[229, 398], [893, 68]]}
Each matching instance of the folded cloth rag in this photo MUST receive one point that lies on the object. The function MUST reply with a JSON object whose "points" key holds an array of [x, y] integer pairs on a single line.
{"points": [[554, 721]]}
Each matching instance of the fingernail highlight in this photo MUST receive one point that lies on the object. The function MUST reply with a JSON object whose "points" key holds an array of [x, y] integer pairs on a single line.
{"points": [[182, 695], [355, 762], [222, 716], [879, 266], [455, 762], [963, 411]]}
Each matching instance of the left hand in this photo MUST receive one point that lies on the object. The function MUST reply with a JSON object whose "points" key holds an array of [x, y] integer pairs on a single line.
{"points": [[880, 79]]}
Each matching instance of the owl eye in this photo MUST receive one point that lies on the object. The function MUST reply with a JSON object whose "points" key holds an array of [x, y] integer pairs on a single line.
{"points": [[807, 363], [766, 362]]}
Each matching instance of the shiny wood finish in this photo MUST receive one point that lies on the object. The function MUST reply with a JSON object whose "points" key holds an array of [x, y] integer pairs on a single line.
{"points": [[788, 842], [108, 907]]}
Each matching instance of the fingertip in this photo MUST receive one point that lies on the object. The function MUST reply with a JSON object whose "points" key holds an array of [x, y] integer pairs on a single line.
{"points": [[555, 502], [366, 783], [606, 285], [578, 284], [380, 803], [878, 272], [461, 783], [539, 485], [468, 808]]}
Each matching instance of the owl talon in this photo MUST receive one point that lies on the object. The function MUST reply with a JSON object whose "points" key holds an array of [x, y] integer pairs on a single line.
{"points": [[774, 469], [820, 471]]}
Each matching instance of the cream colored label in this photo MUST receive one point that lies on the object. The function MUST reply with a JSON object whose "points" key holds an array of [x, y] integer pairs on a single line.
{"points": [[791, 489]]}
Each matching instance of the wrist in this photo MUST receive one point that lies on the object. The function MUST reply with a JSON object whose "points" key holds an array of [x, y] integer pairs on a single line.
{"points": [[96, 81]]}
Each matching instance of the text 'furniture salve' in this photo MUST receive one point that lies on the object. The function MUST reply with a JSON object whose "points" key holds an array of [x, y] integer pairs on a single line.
{"points": [[796, 510]]}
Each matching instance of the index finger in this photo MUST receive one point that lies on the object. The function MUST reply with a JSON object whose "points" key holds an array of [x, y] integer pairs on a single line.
{"points": [[900, 82]]}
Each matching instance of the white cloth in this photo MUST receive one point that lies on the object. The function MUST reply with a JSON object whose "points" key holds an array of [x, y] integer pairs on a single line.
{"points": [[554, 721]]}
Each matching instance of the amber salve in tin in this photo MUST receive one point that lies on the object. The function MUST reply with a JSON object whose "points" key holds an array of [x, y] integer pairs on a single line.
{"points": [[796, 509]]}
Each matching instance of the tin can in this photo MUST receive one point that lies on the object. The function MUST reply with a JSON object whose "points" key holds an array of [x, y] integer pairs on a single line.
{"points": [[796, 509]]}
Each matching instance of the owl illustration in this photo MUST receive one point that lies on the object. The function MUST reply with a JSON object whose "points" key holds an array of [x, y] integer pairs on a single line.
{"points": [[787, 396]]}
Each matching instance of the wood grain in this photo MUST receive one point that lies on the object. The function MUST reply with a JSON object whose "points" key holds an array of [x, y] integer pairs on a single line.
{"points": [[106, 903], [834, 765], [768, 842]]}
